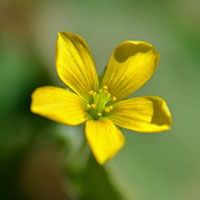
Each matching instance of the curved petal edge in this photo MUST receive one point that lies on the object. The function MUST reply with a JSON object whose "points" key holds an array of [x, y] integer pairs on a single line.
{"points": [[75, 65], [58, 105], [104, 139], [131, 64], [147, 114]]}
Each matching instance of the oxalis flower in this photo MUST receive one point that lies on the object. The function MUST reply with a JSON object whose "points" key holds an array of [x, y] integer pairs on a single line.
{"points": [[103, 106]]}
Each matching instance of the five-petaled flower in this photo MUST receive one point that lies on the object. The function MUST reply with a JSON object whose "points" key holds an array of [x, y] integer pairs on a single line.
{"points": [[103, 106]]}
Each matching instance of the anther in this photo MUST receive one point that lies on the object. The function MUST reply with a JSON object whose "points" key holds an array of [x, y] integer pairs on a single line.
{"points": [[105, 87], [88, 106], [99, 114], [91, 92], [93, 106], [111, 108], [107, 110], [114, 98], [108, 95]]}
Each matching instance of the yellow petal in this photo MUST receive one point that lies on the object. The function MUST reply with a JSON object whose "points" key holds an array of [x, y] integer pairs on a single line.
{"points": [[130, 66], [104, 138], [143, 114], [75, 64], [59, 105]]}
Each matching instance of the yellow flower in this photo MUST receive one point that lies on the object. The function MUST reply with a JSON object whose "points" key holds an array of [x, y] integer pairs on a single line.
{"points": [[102, 105]]}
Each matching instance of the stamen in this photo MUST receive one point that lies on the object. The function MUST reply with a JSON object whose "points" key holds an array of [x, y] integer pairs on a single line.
{"points": [[114, 98], [99, 102], [99, 114], [93, 106], [107, 110], [91, 92], [111, 108], [108, 95], [105, 87], [88, 106]]}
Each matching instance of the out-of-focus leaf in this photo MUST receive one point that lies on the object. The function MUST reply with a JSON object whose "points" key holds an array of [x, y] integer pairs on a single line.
{"points": [[93, 182]]}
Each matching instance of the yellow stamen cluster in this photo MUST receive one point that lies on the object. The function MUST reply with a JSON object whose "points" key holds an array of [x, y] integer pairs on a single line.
{"points": [[99, 103]]}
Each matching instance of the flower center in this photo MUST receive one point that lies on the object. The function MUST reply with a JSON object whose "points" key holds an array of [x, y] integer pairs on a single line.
{"points": [[99, 103]]}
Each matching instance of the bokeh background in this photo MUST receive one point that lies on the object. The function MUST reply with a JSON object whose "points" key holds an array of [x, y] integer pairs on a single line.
{"points": [[40, 159]]}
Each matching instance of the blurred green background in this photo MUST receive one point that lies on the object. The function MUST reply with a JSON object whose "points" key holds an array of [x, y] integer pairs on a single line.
{"points": [[40, 159]]}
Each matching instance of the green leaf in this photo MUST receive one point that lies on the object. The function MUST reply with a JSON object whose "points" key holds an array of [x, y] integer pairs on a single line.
{"points": [[93, 182]]}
